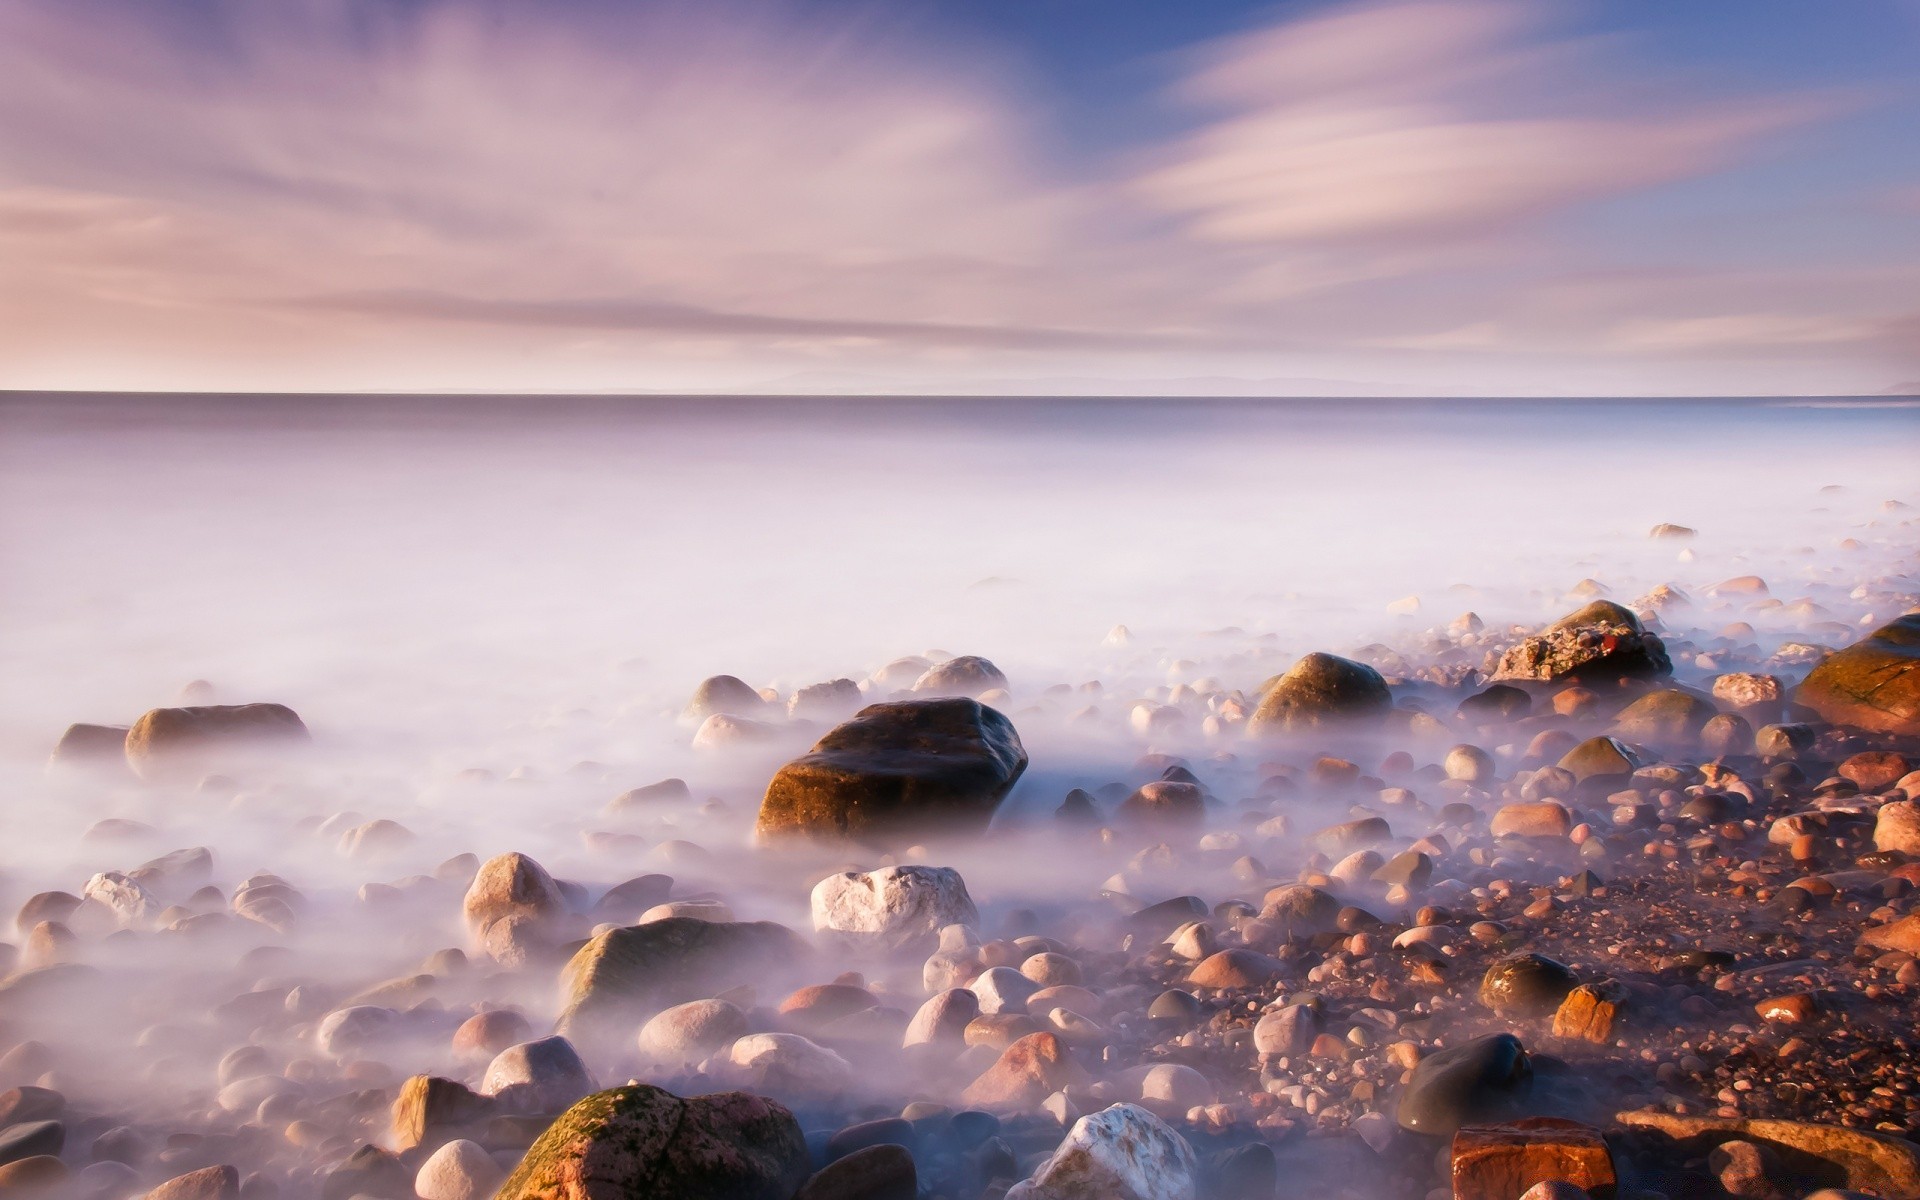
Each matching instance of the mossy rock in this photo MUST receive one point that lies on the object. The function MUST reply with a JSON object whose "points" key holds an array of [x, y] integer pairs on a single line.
{"points": [[1322, 690], [897, 772], [1873, 684], [640, 1140]]}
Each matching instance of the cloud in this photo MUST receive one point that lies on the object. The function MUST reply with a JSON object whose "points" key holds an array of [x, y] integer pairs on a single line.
{"points": [[1427, 119]]}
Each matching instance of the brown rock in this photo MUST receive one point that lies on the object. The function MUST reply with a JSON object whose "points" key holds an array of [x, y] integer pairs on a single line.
{"points": [[511, 885], [1590, 1012], [1236, 968], [1500, 1162], [36, 1175], [184, 743], [1825, 1155], [1165, 804], [1540, 819], [208, 1183], [431, 1110], [1873, 684], [1026, 1073], [821, 1004], [1318, 691], [1902, 935], [1794, 1009], [486, 1034], [1874, 770], [882, 1172]]}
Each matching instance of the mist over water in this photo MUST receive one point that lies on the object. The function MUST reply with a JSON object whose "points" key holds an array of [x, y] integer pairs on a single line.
{"points": [[532, 588]]}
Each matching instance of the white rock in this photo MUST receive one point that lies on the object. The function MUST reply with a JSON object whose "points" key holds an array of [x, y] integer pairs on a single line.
{"points": [[892, 909], [1897, 827], [1286, 1031], [538, 1077], [943, 1019], [130, 903], [1003, 990], [687, 1033], [459, 1170], [1121, 1153], [787, 1064], [946, 969], [699, 910], [351, 1032], [1174, 1088], [721, 730]]}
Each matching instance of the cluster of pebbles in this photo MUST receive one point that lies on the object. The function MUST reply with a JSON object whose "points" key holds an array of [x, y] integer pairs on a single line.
{"points": [[1613, 907]]}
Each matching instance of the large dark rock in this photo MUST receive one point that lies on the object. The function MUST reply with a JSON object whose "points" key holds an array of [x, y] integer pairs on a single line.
{"points": [[182, 743], [897, 772], [1873, 684], [641, 1141], [1602, 642], [1478, 1081], [622, 976], [1526, 985], [1322, 690]]}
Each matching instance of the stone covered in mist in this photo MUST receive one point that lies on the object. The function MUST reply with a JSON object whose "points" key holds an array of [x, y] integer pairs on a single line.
{"points": [[625, 974], [897, 771], [724, 694], [1603, 641], [183, 743], [891, 909], [1873, 684], [1122, 1151], [1321, 690], [97, 747], [968, 675], [642, 1141], [511, 885]]}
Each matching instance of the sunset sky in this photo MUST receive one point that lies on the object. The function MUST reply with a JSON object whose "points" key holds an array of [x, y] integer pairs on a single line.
{"points": [[1430, 196]]}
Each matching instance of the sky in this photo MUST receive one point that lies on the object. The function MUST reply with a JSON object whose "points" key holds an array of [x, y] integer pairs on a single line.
{"points": [[1447, 197]]}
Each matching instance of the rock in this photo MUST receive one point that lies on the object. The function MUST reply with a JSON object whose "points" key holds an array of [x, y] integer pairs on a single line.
{"points": [[30, 1104], [1499, 703], [831, 701], [1897, 827], [1726, 734], [129, 903], [358, 1031], [1590, 1012], [1287, 1031], [1165, 804], [431, 1110], [943, 1019], [486, 1034], [1537, 819], [511, 885], [1745, 1170], [376, 839], [893, 909], [1526, 985], [967, 675], [1236, 968], [1668, 717], [208, 1183], [1599, 757], [177, 744], [1757, 696], [1496, 1162], [1825, 1154], [1469, 764], [1602, 642], [1783, 741], [369, 1171], [641, 1141], [788, 1064], [1123, 1152], [898, 771], [1873, 684], [624, 974], [1026, 1073], [459, 1170], [1321, 690], [1473, 1082], [879, 1172], [1902, 935], [724, 694], [1003, 989], [29, 1138], [38, 1175], [687, 1033], [543, 1076], [91, 747], [1874, 770], [812, 1008], [651, 796], [1557, 1189], [1300, 911]]}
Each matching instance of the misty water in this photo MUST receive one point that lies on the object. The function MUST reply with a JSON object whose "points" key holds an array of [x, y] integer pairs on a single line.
{"points": [[491, 613]]}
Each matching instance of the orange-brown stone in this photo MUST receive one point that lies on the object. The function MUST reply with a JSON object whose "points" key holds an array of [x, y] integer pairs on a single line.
{"points": [[1500, 1162], [1590, 1012]]}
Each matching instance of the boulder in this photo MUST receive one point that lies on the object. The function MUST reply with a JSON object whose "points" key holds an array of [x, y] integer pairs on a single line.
{"points": [[724, 694], [1526, 985], [1873, 684], [1602, 642], [642, 1141], [176, 744], [1499, 1162], [896, 772], [687, 1033], [1599, 756], [1122, 1152], [1897, 827], [459, 1170], [891, 910], [1532, 819], [511, 885], [788, 1064], [1321, 690], [1165, 804], [884, 1171], [1473, 1082], [542, 1076], [208, 1183], [430, 1109], [624, 975], [830, 701], [968, 675], [1668, 717], [1027, 1072], [1824, 1155], [91, 748]]}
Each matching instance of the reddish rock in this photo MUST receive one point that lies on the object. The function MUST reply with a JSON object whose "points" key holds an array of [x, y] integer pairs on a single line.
{"points": [[1027, 1072], [1590, 1012], [1875, 770], [1500, 1162]]}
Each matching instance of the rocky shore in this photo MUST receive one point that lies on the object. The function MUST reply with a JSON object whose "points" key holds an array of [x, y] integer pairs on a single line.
{"points": [[1617, 906]]}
